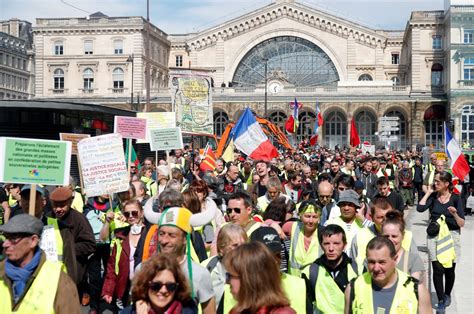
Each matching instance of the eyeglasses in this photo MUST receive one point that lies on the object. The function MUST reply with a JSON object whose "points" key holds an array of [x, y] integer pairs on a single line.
{"points": [[230, 209], [229, 276], [132, 213], [156, 286], [16, 238], [341, 188]]}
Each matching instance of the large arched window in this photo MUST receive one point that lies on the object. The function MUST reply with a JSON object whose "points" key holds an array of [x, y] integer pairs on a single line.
{"points": [[366, 124], [467, 124], [221, 119], [58, 78], [434, 117], [117, 77], [335, 129], [436, 75], [306, 126], [294, 60], [88, 78], [402, 132], [278, 118]]}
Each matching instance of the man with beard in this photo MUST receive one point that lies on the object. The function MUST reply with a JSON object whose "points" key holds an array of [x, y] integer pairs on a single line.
{"points": [[293, 187]]}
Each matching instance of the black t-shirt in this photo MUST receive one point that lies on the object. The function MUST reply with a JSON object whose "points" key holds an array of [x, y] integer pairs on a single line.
{"points": [[396, 200], [3, 196], [437, 209]]}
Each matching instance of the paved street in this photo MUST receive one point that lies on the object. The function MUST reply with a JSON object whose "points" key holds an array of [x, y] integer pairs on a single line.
{"points": [[463, 293]]}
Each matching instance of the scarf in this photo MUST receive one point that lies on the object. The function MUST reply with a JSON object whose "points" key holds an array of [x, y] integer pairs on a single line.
{"points": [[20, 276]]}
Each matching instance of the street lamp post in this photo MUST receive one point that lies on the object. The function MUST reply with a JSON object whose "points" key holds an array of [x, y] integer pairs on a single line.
{"points": [[266, 87], [130, 59]]}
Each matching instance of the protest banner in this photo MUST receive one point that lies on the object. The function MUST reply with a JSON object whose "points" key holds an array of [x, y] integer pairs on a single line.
{"points": [[130, 128], [103, 165], [156, 120], [166, 139], [74, 138], [191, 97], [34, 161]]}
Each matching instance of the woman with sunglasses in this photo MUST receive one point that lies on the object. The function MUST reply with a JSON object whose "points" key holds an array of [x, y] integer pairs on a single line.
{"points": [[440, 200], [121, 264], [255, 281], [161, 287]]}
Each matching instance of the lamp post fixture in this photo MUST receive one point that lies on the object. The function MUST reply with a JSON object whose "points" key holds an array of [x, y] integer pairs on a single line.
{"points": [[266, 87], [130, 59]]}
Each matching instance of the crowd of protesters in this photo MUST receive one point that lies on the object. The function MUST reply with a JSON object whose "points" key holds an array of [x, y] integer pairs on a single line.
{"points": [[313, 231]]}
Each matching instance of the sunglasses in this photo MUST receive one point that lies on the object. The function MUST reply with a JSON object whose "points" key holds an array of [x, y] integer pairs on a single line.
{"points": [[230, 209], [156, 286], [133, 213], [16, 238]]}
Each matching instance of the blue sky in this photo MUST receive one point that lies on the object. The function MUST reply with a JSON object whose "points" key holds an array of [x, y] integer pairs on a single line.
{"points": [[182, 16]]}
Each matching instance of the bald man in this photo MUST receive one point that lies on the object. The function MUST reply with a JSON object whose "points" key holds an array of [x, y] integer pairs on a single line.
{"points": [[330, 209]]}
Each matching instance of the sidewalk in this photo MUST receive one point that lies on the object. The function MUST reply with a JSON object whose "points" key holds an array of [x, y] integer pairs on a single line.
{"points": [[463, 292]]}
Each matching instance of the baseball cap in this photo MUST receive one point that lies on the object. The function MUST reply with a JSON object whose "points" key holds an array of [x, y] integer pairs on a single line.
{"points": [[269, 237], [349, 196], [23, 223], [61, 194], [39, 189]]}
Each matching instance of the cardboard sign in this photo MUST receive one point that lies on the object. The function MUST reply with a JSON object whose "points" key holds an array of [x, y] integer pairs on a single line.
{"points": [[130, 127], [103, 165], [157, 120], [33, 161], [368, 148], [166, 139], [74, 138]]}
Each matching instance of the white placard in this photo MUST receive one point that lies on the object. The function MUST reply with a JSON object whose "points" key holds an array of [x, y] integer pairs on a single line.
{"points": [[156, 120], [166, 139], [103, 165]]}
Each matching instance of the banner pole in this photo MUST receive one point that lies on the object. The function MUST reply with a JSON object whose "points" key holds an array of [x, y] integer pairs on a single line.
{"points": [[168, 163], [129, 155], [81, 179], [32, 206]]}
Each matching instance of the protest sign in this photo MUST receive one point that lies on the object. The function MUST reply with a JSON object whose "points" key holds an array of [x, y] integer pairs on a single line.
{"points": [[156, 120], [130, 127], [74, 138], [166, 139], [368, 148], [34, 161], [103, 165]]}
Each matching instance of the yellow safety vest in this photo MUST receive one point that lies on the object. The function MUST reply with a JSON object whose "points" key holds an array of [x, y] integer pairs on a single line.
{"points": [[294, 288], [40, 296], [57, 235], [12, 201], [405, 300], [262, 203], [328, 297], [356, 226], [78, 202], [445, 253], [151, 185], [363, 238], [299, 256]]}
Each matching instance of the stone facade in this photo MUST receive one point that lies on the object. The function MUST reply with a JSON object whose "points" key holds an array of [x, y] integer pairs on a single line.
{"points": [[92, 59], [16, 60]]}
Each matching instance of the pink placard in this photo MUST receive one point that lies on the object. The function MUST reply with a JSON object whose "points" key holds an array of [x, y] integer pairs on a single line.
{"points": [[130, 127]]}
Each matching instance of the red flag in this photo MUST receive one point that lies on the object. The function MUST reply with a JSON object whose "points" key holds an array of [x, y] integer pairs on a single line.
{"points": [[209, 161], [290, 124], [355, 140]]}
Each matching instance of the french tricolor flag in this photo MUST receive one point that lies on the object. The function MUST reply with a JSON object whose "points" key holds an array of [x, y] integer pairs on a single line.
{"points": [[459, 165], [249, 138]]}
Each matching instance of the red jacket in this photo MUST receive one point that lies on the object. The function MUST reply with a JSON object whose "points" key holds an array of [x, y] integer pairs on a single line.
{"points": [[115, 284]]}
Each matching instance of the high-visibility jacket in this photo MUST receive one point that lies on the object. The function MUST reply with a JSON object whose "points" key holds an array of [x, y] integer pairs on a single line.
{"points": [[151, 185], [299, 256], [77, 202], [327, 295], [40, 296], [356, 226], [445, 253], [262, 203], [404, 301], [388, 173], [294, 288], [363, 238]]}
